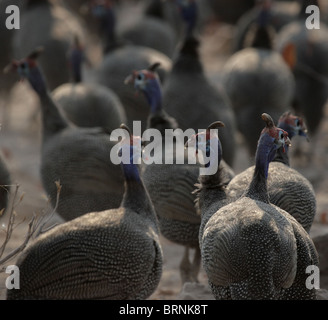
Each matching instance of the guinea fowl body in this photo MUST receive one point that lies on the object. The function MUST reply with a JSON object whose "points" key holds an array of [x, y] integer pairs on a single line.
{"points": [[113, 254], [88, 105], [257, 80], [311, 66], [53, 27], [287, 188], [78, 158], [252, 249], [193, 101]]}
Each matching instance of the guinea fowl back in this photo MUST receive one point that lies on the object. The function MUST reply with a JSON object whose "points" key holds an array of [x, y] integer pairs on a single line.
{"points": [[113, 254], [86, 104]]}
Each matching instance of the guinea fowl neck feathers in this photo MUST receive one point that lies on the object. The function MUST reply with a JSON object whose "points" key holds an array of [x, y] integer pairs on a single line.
{"points": [[188, 59], [147, 81], [261, 33], [53, 120], [265, 153], [155, 9], [136, 196]]}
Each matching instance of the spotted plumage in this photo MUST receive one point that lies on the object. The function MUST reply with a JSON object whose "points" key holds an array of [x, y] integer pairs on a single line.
{"points": [[170, 185], [252, 249], [287, 188], [113, 254]]}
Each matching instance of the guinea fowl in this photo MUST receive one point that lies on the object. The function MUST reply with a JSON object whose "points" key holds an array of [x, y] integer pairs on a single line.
{"points": [[187, 88], [252, 249], [50, 25], [86, 104], [112, 254], [310, 65], [220, 177], [287, 188], [76, 157], [257, 79], [169, 180], [122, 58]]}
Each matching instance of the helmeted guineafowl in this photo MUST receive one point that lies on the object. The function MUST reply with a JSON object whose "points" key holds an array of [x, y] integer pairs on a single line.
{"points": [[310, 66], [76, 157], [222, 174], [187, 88], [120, 59], [257, 79], [112, 254], [287, 188], [47, 24], [252, 249], [86, 104], [170, 185]]}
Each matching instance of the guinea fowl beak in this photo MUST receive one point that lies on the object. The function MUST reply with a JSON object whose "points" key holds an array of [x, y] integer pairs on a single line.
{"points": [[129, 79]]}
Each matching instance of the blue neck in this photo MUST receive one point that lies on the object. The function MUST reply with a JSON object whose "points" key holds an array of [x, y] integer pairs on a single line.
{"points": [[131, 172], [265, 153], [153, 93], [37, 81], [214, 154], [76, 58]]}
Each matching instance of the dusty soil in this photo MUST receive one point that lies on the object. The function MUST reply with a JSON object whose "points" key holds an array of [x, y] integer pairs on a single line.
{"points": [[20, 144]]}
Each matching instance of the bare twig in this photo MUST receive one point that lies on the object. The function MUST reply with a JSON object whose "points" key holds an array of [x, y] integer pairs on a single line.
{"points": [[36, 226]]}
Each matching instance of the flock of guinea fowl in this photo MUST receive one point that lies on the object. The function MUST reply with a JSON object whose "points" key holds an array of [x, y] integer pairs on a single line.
{"points": [[248, 230]]}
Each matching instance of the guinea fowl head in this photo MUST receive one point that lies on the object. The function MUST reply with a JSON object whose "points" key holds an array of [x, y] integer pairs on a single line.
{"points": [[147, 82], [27, 68], [271, 139], [189, 13], [294, 125], [208, 143]]}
